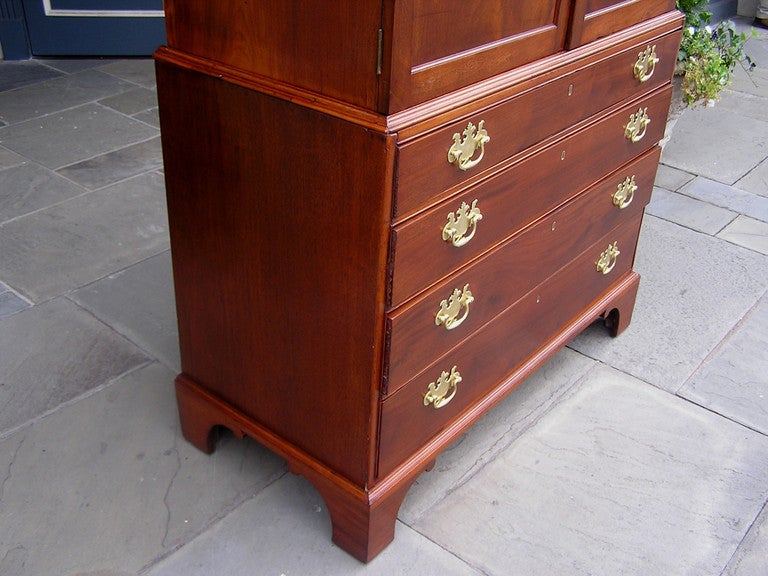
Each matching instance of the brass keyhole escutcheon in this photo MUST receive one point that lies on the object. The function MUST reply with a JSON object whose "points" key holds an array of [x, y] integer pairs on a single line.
{"points": [[607, 259], [442, 390], [646, 64], [448, 314], [462, 224], [466, 145], [637, 125], [625, 193]]}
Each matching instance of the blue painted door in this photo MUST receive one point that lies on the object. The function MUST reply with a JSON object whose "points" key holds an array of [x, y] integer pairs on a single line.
{"points": [[94, 27]]}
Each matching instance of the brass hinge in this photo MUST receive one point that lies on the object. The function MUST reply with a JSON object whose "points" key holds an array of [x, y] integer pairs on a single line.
{"points": [[380, 51]]}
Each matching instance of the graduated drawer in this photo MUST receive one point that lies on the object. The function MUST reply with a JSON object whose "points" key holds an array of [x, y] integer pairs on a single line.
{"points": [[551, 106], [516, 196], [433, 323], [409, 417]]}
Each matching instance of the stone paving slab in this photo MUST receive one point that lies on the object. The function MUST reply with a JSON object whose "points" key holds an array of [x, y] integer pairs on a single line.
{"points": [[139, 303], [524, 406], [756, 181], [747, 232], [751, 558], [23, 73], [53, 353], [738, 95], [11, 303], [754, 83], [72, 65], [30, 187], [132, 101], [694, 288], [620, 478], [9, 159], [734, 380], [151, 117], [77, 242], [74, 135], [58, 94], [136, 70], [689, 212], [108, 485], [671, 178], [285, 530], [729, 197], [117, 165], [719, 143]]}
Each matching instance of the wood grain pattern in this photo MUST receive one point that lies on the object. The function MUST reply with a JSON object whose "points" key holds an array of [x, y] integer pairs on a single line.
{"points": [[507, 202], [526, 119], [507, 272], [440, 46], [501, 347], [305, 190], [273, 253], [594, 19]]}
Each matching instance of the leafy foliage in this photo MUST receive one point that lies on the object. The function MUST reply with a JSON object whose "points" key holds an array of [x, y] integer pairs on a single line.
{"points": [[708, 55]]}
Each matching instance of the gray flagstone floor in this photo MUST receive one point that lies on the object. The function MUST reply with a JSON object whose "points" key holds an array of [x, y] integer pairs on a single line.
{"points": [[641, 455]]}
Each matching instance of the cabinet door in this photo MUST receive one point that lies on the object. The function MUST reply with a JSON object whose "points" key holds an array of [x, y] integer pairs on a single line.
{"points": [[329, 48], [594, 19], [440, 45]]}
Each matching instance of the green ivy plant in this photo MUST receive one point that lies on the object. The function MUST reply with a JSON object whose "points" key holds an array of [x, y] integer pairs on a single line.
{"points": [[708, 55]]}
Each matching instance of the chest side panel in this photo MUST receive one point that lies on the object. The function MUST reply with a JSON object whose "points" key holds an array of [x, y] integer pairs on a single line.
{"points": [[279, 255]]}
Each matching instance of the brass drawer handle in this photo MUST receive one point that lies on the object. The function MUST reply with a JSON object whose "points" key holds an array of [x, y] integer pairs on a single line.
{"points": [[442, 390], [463, 221], [646, 64], [464, 149], [625, 193], [637, 125], [607, 259], [448, 315]]}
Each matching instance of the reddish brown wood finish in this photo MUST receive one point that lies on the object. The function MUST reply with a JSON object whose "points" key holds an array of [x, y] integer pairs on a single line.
{"points": [[428, 47], [278, 246], [441, 45], [301, 185], [526, 119], [501, 347], [506, 273], [594, 19], [363, 520], [306, 43], [556, 173]]}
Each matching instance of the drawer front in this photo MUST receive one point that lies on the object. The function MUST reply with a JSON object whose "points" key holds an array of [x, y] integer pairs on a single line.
{"points": [[409, 417], [515, 197], [424, 170], [444, 316]]}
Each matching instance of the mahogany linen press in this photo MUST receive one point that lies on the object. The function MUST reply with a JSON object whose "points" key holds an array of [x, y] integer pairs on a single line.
{"points": [[385, 214]]}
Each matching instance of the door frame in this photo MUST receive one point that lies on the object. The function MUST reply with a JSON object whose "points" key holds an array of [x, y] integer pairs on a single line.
{"points": [[39, 28]]}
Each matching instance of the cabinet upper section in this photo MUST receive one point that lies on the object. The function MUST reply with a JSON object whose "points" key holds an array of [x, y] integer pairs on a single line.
{"points": [[389, 55]]}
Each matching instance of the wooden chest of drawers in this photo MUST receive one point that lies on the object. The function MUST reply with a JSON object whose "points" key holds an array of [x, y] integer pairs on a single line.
{"points": [[385, 215]]}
